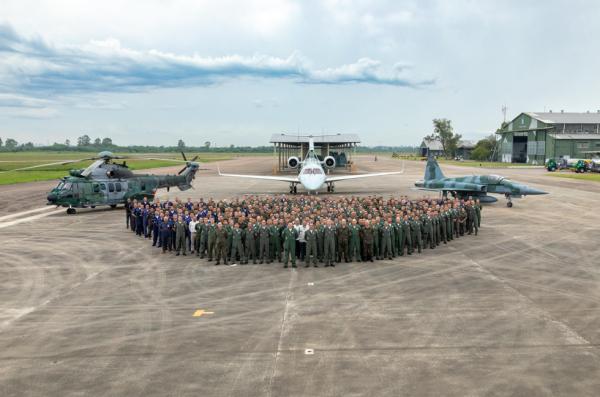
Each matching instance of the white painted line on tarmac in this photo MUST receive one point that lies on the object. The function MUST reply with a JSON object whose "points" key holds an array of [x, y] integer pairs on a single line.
{"points": [[30, 218], [17, 214]]}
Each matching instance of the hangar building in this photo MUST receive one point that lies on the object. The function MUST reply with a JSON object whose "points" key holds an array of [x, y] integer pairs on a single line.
{"points": [[340, 146], [533, 137]]}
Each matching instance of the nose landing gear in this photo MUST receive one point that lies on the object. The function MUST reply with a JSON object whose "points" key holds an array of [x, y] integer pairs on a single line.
{"points": [[330, 187], [293, 188], [509, 203]]}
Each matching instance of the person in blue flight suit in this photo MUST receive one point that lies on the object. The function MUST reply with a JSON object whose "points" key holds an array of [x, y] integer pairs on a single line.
{"points": [[187, 218], [155, 230], [138, 220], [165, 234], [145, 214]]}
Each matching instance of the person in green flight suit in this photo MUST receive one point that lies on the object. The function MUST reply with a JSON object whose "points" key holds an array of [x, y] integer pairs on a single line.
{"points": [[275, 242], [329, 244], [354, 251], [407, 237], [343, 238], [180, 228], [386, 240], [310, 235], [289, 245], [212, 239], [264, 236], [250, 238], [237, 248], [221, 246], [415, 230]]}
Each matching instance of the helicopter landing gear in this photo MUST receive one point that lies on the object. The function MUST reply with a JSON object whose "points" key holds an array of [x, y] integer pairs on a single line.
{"points": [[293, 188], [330, 188], [509, 203], [71, 211]]}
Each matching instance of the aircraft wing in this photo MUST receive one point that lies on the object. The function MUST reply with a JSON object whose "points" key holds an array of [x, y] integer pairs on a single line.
{"points": [[263, 177], [346, 177], [473, 188]]}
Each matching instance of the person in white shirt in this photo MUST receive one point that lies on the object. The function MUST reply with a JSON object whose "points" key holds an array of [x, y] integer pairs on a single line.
{"points": [[192, 226], [300, 241]]}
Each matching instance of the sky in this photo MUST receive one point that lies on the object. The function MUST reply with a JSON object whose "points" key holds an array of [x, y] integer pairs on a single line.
{"points": [[235, 72]]}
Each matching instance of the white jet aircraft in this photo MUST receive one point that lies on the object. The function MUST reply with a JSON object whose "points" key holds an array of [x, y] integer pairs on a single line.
{"points": [[312, 175]]}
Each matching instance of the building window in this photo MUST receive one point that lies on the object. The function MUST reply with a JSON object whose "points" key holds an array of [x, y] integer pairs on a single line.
{"points": [[583, 145]]}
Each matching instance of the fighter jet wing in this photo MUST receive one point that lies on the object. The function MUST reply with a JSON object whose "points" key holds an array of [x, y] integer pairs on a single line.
{"points": [[263, 177]]}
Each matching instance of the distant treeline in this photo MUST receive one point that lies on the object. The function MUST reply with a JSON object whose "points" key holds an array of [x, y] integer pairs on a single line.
{"points": [[86, 145]]}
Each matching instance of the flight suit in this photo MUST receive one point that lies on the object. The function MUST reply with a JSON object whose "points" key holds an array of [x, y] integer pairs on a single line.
{"points": [[478, 213], [470, 219], [386, 241], [415, 230], [289, 246], [343, 236], [443, 230], [354, 251], [155, 230], [250, 237], [462, 218], [204, 239], [329, 246], [221, 245], [264, 236], [198, 228], [236, 245], [376, 238], [212, 241], [367, 239], [406, 239], [319, 231], [165, 234], [427, 231], [397, 227], [311, 247], [450, 224], [275, 243], [229, 229], [180, 227]]}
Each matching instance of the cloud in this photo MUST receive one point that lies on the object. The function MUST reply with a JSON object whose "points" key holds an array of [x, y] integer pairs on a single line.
{"points": [[32, 66]]}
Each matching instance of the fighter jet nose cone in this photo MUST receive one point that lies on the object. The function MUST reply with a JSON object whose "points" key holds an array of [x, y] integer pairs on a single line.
{"points": [[531, 191]]}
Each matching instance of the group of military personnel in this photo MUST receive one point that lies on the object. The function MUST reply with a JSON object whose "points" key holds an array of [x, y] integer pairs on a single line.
{"points": [[311, 229]]}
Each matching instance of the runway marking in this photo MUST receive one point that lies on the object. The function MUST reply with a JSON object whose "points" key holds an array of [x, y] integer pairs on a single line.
{"points": [[17, 214], [200, 313], [30, 218]]}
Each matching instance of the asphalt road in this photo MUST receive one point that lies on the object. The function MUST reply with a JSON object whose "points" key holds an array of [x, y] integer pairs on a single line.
{"points": [[86, 308]]}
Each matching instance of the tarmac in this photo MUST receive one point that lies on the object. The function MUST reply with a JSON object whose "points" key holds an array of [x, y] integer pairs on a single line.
{"points": [[87, 308]]}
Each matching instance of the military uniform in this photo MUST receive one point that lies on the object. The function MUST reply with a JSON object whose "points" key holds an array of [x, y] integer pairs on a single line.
{"points": [[386, 241], [367, 239], [212, 241], [329, 246], [237, 248], [289, 246], [415, 231], [165, 234], [250, 237], [275, 243], [264, 241], [343, 237], [376, 237], [180, 227], [354, 250], [221, 245], [406, 238], [311, 247]]}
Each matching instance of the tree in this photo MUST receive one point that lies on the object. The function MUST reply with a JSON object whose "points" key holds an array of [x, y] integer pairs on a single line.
{"points": [[207, 145], [97, 142], [0, 142], [83, 140], [10, 143], [485, 148], [107, 142], [27, 146], [442, 131], [181, 144], [67, 142]]}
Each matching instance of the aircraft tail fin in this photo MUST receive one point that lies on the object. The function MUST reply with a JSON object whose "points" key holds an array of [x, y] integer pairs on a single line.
{"points": [[433, 170]]}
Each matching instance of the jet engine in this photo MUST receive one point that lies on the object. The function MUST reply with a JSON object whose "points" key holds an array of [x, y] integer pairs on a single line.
{"points": [[329, 162], [293, 162]]}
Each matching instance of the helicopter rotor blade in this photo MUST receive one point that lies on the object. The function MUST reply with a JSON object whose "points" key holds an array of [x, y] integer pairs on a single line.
{"points": [[183, 155], [44, 165], [195, 158], [181, 170]]}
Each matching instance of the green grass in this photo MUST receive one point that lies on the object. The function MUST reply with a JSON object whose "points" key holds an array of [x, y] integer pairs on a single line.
{"points": [[573, 175], [10, 161]]}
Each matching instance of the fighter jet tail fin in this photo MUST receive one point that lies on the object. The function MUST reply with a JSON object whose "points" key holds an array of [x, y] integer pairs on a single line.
{"points": [[433, 170]]}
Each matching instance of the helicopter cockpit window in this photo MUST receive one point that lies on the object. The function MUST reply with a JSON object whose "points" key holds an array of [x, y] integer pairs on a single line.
{"points": [[118, 186], [102, 186], [67, 186], [96, 188], [111, 187]]}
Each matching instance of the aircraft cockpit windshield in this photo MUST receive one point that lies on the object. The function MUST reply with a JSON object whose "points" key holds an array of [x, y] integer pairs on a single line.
{"points": [[496, 179]]}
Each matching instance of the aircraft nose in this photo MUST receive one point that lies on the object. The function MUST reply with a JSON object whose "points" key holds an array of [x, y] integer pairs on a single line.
{"points": [[51, 197], [532, 191]]}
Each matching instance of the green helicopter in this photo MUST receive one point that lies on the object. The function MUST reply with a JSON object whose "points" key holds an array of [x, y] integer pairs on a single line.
{"points": [[105, 182]]}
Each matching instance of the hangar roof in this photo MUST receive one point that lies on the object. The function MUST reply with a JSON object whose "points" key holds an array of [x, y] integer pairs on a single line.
{"points": [[318, 139], [576, 136], [566, 117]]}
